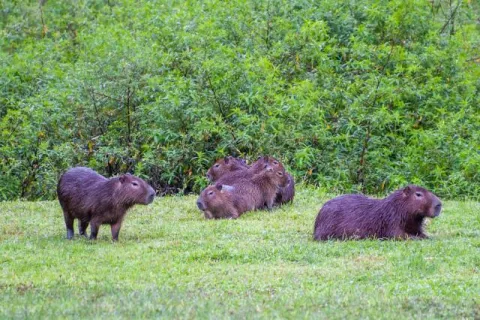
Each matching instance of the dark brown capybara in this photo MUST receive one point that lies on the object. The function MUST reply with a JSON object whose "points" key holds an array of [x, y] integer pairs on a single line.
{"points": [[224, 166], [91, 198], [285, 194], [229, 170], [230, 201], [400, 215], [223, 201]]}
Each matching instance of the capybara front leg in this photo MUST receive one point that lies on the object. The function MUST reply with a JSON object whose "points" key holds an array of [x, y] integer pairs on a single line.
{"points": [[69, 225], [269, 204], [82, 228], [116, 229]]}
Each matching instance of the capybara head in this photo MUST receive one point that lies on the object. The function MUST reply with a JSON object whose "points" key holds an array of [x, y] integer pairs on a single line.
{"points": [[133, 190], [421, 202], [264, 161], [212, 199], [225, 165], [276, 174]]}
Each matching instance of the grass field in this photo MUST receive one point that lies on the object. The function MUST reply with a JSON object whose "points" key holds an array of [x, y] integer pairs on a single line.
{"points": [[170, 262]]}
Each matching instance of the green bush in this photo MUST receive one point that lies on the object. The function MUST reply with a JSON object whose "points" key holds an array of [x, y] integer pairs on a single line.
{"points": [[351, 95]]}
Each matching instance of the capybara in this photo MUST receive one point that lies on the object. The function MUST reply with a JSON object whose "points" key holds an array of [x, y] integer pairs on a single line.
{"points": [[287, 193], [230, 201], [284, 194], [223, 201], [229, 169], [400, 215], [91, 198], [224, 166]]}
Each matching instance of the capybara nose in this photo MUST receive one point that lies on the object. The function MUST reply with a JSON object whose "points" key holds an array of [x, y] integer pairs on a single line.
{"points": [[438, 208], [200, 205], [209, 177], [151, 195]]}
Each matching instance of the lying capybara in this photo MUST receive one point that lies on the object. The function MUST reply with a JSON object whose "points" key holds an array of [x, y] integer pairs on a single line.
{"points": [[284, 194], [230, 201], [224, 166], [400, 215], [287, 193], [223, 201], [229, 169], [91, 198]]}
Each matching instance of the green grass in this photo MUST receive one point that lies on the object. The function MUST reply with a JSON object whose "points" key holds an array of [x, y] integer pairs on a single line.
{"points": [[170, 262]]}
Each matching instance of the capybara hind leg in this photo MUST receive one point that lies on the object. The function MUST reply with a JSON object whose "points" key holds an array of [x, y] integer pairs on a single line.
{"points": [[94, 227], [116, 230], [68, 225], [82, 228]]}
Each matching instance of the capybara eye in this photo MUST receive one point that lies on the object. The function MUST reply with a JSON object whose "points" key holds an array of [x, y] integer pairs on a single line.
{"points": [[217, 165], [135, 183], [275, 162], [280, 173], [210, 193], [418, 194]]}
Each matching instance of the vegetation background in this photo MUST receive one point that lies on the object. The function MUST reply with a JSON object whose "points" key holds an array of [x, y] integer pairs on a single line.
{"points": [[363, 95]]}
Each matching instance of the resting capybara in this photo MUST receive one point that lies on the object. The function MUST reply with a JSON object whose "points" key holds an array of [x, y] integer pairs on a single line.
{"points": [[91, 198], [224, 166], [287, 193], [400, 215], [284, 194], [230, 201], [226, 176], [223, 201]]}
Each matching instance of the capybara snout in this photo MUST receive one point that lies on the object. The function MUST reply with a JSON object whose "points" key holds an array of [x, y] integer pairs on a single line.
{"points": [[200, 205], [438, 209]]}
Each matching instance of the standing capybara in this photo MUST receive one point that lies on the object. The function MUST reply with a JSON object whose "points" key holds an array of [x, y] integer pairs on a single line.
{"points": [[91, 198], [230, 201], [400, 215], [225, 166]]}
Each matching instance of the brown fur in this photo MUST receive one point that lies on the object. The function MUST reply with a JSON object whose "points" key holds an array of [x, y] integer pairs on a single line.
{"points": [[230, 201], [284, 194], [400, 215], [225, 166], [91, 198]]}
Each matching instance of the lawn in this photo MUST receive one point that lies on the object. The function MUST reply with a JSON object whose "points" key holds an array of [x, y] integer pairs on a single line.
{"points": [[172, 263]]}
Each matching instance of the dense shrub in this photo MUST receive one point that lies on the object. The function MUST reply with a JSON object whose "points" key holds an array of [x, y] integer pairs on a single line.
{"points": [[352, 95]]}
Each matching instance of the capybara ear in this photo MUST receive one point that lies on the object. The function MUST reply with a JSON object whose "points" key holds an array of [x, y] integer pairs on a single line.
{"points": [[407, 190], [123, 178], [218, 186], [226, 159], [265, 159], [259, 157]]}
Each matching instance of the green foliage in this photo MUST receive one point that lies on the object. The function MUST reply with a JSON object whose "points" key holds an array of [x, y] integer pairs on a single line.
{"points": [[352, 95], [172, 263]]}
